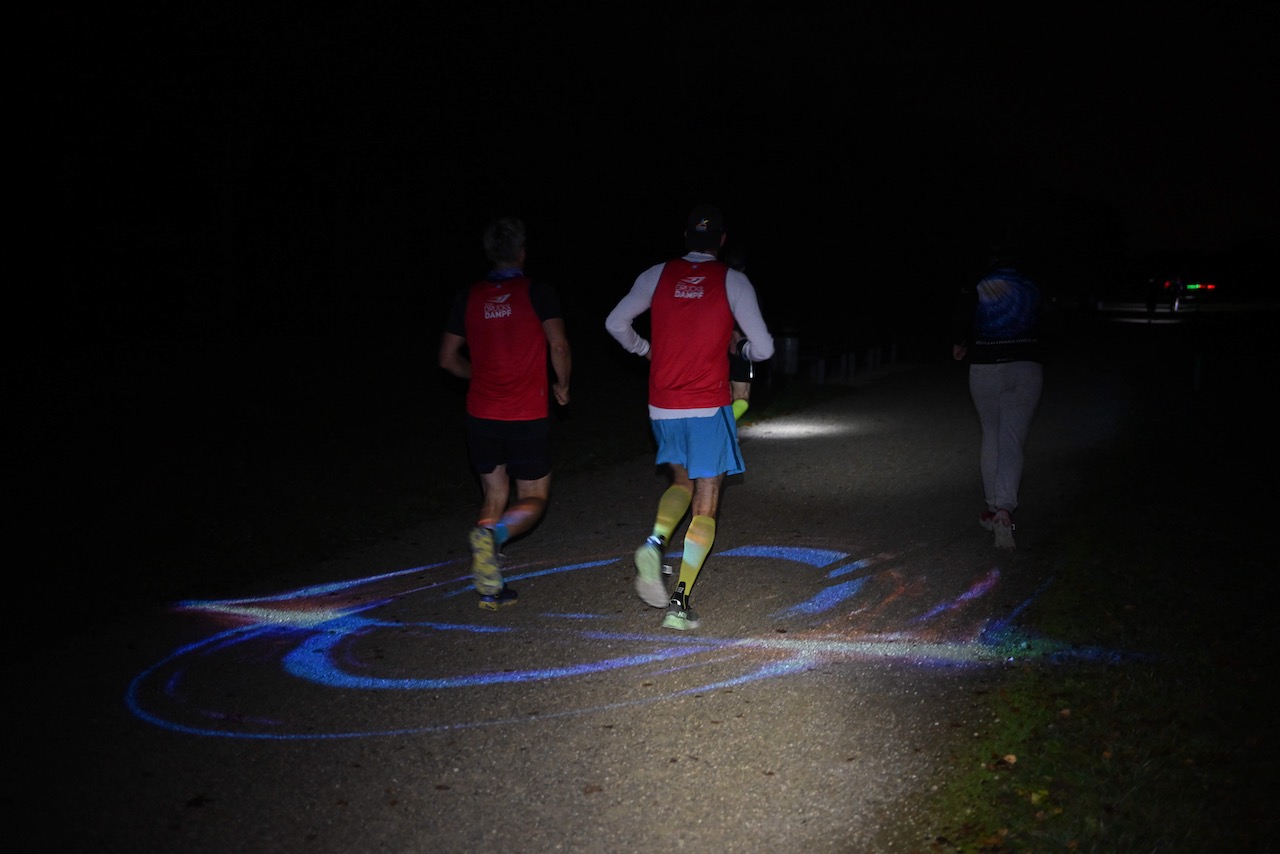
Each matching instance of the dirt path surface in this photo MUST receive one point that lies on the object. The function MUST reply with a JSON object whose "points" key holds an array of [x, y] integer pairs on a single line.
{"points": [[852, 611]]}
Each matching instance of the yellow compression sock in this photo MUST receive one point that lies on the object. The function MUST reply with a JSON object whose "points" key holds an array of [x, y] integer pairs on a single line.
{"points": [[739, 407], [697, 545], [671, 509]]}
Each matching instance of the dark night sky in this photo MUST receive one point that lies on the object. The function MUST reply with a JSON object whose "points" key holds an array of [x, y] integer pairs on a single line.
{"points": [[258, 162], [262, 214]]}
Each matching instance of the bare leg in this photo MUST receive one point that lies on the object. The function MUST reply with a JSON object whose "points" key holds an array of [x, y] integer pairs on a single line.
{"points": [[529, 506], [497, 491], [706, 495], [485, 573], [497, 524]]}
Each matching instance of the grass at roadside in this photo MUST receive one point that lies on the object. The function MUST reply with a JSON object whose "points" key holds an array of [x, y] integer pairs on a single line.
{"points": [[1158, 753]]}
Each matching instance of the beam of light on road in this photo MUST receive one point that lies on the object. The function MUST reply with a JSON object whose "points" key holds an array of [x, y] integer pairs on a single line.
{"points": [[800, 427]]}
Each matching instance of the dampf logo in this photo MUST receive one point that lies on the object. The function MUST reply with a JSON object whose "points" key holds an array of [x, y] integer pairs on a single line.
{"points": [[690, 288], [497, 306]]}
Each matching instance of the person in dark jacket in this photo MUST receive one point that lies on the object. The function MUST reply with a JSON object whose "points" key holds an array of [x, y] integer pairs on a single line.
{"points": [[996, 325]]}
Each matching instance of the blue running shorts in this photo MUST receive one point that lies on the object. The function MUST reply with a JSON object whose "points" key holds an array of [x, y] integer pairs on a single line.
{"points": [[706, 446]]}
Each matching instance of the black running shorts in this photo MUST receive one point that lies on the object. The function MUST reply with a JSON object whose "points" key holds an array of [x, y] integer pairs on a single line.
{"points": [[524, 447]]}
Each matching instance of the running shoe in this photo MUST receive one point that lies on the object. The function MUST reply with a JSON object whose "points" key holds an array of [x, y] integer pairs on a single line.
{"points": [[649, 584], [987, 520], [505, 596], [680, 616], [1002, 524], [485, 573]]}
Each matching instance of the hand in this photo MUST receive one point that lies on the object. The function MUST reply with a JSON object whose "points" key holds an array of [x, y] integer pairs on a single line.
{"points": [[561, 392], [958, 351]]}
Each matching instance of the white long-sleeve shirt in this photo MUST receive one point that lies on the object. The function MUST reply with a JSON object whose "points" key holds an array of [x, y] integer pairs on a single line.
{"points": [[741, 296]]}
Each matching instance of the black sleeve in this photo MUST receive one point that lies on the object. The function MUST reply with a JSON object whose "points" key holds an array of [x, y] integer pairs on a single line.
{"points": [[546, 302]]}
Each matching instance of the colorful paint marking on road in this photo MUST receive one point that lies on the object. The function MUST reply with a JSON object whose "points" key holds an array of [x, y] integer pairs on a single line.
{"points": [[407, 652]]}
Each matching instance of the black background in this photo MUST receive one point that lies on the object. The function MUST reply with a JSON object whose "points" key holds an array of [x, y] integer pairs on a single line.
{"points": [[260, 214], [275, 169]]}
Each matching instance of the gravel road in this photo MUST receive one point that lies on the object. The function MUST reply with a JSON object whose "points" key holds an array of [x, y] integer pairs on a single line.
{"points": [[359, 701]]}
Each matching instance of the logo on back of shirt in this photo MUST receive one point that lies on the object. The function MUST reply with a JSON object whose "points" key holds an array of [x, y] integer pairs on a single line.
{"points": [[690, 288], [497, 306]]}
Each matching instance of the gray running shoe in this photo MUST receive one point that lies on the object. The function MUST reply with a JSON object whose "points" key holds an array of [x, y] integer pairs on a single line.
{"points": [[485, 574], [649, 583], [680, 616], [1002, 524]]}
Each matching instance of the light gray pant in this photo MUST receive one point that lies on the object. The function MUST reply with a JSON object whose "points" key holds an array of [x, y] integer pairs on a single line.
{"points": [[1006, 396]]}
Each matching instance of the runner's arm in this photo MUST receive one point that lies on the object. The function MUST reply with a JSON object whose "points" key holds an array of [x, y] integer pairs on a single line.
{"points": [[620, 321], [451, 358], [746, 313], [561, 358]]}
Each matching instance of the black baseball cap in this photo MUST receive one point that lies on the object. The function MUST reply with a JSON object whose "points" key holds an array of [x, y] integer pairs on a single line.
{"points": [[705, 228]]}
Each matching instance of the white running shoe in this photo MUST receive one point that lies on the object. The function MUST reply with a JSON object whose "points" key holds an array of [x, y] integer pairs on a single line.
{"points": [[649, 583]]}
